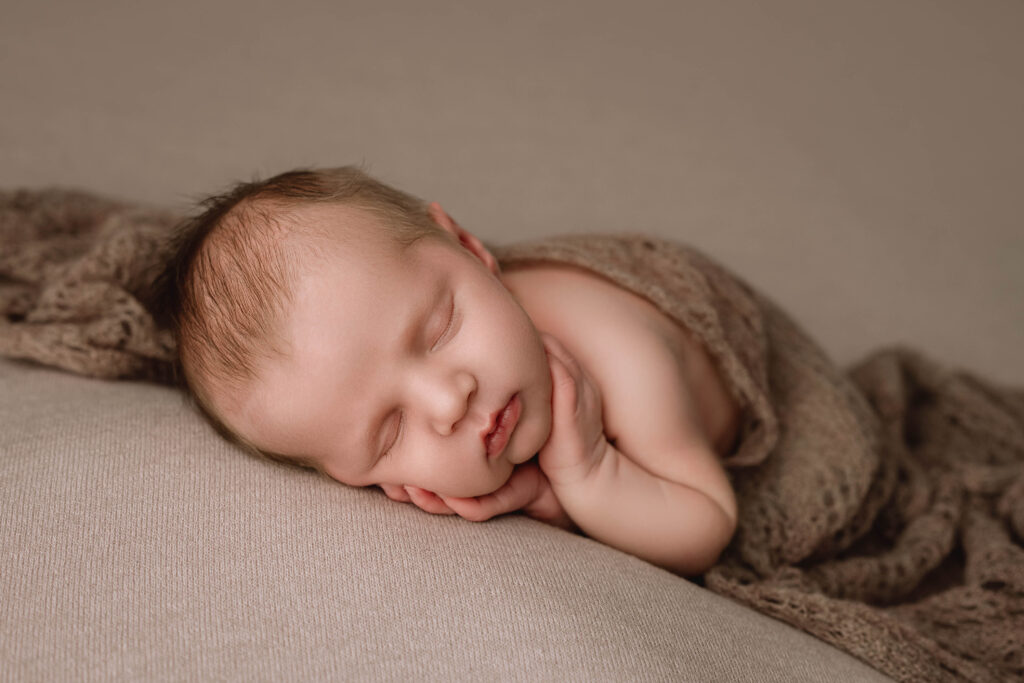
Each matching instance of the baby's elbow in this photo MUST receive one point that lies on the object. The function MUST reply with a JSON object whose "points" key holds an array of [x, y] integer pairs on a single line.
{"points": [[696, 563], [702, 548]]}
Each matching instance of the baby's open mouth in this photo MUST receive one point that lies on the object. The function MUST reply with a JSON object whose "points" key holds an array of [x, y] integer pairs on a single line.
{"points": [[503, 426]]}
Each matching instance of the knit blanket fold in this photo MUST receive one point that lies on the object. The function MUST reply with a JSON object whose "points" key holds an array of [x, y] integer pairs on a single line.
{"points": [[73, 268], [881, 505]]}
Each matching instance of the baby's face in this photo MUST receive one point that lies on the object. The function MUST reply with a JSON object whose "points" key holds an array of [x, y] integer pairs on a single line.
{"points": [[398, 363]]}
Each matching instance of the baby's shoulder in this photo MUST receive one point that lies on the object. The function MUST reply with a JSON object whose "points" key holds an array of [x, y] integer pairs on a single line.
{"points": [[637, 355], [574, 303]]}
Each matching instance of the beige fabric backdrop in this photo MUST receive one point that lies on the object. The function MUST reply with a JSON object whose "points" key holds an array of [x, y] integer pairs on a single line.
{"points": [[861, 161]]}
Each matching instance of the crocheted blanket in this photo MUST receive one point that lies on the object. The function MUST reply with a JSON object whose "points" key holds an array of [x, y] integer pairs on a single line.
{"points": [[881, 505]]}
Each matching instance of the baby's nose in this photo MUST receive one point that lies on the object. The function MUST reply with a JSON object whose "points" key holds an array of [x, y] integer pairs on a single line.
{"points": [[451, 401]]}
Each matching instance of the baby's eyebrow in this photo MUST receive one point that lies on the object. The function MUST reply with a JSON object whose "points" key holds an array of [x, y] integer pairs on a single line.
{"points": [[417, 317]]}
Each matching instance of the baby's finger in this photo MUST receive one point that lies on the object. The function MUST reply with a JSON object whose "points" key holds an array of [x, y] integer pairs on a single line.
{"points": [[565, 393], [514, 495], [473, 509], [428, 501], [396, 493], [558, 350]]}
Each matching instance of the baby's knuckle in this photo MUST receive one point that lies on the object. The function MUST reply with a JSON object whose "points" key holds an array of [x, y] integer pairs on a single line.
{"points": [[475, 515]]}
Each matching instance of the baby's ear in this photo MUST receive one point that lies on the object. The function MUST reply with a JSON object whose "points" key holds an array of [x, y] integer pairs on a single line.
{"points": [[465, 237]]}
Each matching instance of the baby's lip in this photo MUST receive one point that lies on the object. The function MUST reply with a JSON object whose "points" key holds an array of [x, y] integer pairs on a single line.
{"points": [[492, 421], [492, 424]]}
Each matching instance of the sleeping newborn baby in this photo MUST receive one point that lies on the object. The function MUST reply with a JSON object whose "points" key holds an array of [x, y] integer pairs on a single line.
{"points": [[328, 320]]}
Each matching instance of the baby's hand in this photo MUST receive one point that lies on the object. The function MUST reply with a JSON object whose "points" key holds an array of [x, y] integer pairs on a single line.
{"points": [[577, 442], [425, 500], [527, 490]]}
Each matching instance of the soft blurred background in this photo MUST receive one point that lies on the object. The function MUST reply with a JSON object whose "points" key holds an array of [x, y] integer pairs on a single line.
{"points": [[862, 161]]}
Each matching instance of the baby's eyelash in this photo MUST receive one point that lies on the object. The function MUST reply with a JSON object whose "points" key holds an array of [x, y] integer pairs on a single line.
{"points": [[398, 435], [451, 321]]}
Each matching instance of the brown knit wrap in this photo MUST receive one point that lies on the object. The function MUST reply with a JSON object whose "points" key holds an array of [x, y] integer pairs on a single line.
{"points": [[72, 266], [881, 507]]}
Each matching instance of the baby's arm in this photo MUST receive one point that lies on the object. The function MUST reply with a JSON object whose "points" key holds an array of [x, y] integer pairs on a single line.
{"points": [[681, 522]]}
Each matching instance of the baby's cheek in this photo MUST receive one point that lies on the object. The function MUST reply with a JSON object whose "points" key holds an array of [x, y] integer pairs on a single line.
{"points": [[543, 418]]}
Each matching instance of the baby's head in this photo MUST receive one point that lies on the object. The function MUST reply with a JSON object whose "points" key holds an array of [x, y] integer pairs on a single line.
{"points": [[330, 321]]}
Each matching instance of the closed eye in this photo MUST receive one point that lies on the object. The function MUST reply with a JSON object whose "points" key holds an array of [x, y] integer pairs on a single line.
{"points": [[448, 328], [398, 434]]}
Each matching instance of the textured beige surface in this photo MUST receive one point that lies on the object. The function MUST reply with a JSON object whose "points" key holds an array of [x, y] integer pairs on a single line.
{"points": [[860, 161], [161, 553]]}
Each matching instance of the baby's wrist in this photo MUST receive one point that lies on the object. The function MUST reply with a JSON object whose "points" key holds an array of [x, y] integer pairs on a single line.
{"points": [[584, 473], [547, 508]]}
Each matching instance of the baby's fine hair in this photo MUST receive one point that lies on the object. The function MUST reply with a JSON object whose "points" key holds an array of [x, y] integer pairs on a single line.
{"points": [[234, 266]]}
